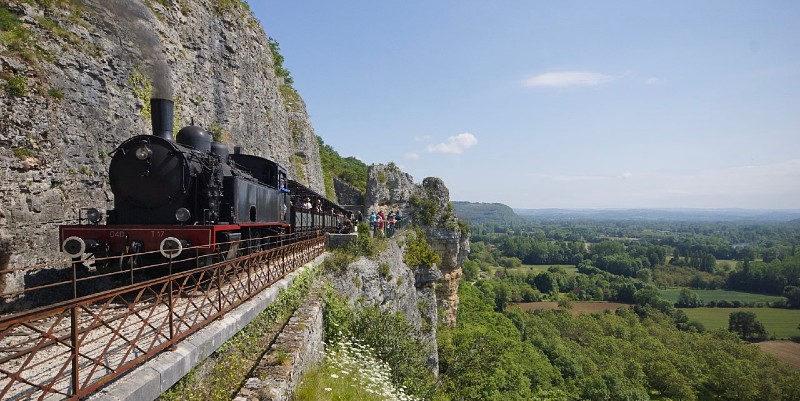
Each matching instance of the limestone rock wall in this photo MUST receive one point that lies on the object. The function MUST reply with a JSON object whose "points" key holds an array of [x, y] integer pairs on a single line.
{"points": [[388, 188], [88, 73], [347, 195]]}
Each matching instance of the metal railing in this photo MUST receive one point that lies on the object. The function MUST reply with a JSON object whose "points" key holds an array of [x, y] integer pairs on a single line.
{"points": [[71, 348]]}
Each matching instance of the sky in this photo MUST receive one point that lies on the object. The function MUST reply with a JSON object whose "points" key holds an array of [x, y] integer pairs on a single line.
{"points": [[558, 104]]}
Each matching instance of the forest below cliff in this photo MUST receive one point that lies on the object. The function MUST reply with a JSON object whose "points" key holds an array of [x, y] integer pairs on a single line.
{"points": [[669, 277]]}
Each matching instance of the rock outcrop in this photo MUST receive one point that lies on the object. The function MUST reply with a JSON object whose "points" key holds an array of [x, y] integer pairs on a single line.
{"points": [[428, 204], [81, 83], [388, 188], [449, 239], [425, 295]]}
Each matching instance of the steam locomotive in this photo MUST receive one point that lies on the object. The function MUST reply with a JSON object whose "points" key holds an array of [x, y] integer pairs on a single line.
{"points": [[170, 195]]}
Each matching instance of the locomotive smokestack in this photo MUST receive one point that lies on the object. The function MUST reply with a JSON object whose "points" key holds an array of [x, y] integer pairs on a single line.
{"points": [[162, 112]]}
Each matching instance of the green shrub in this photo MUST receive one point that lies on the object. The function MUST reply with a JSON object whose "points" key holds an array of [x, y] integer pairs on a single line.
{"points": [[339, 261], [16, 38], [55, 93], [394, 340], [383, 269], [17, 85], [423, 210], [419, 252], [347, 169], [224, 6], [297, 165], [22, 153], [277, 62], [8, 21], [219, 134]]}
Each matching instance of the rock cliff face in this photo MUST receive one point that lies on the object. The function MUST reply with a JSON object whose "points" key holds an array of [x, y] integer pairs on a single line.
{"points": [[429, 206], [80, 84], [346, 195], [388, 188], [387, 282]]}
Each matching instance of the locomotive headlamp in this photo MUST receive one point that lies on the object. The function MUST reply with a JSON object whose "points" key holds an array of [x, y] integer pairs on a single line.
{"points": [[183, 215], [143, 152], [93, 215]]}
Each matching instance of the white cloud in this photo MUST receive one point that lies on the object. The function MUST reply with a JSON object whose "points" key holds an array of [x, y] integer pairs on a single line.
{"points": [[626, 175], [652, 81], [454, 144], [412, 155], [563, 79]]}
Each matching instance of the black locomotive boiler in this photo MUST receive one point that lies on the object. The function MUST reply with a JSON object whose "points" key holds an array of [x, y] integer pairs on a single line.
{"points": [[170, 195]]}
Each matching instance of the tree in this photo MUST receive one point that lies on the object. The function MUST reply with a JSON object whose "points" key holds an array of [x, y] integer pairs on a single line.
{"points": [[708, 262], [792, 294], [688, 299], [546, 283], [471, 270], [746, 326]]}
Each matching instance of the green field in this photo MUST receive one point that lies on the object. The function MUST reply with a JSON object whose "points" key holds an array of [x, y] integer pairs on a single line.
{"points": [[782, 323], [525, 269], [728, 264], [721, 295]]}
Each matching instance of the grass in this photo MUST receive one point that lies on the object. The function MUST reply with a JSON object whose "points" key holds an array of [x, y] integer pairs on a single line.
{"points": [[727, 264], [722, 295], [782, 323]]}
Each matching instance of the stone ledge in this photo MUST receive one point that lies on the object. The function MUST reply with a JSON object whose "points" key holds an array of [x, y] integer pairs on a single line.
{"points": [[297, 348]]}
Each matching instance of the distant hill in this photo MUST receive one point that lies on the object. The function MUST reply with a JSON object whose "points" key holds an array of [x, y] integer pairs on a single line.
{"points": [[498, 212], [663, 214], [483, 212]]}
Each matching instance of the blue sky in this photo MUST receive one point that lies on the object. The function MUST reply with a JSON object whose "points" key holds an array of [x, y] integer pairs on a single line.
{"points": [[565, 104]]}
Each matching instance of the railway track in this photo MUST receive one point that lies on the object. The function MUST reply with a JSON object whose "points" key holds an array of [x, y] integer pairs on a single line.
{"points": [[70, 349]]}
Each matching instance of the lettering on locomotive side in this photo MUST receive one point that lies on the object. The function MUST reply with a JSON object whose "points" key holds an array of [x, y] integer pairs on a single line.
{"points": [[116, 234], [157, 233]]}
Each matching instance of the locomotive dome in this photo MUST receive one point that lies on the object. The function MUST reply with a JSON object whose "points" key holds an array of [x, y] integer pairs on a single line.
{"points": [[194, 137]]}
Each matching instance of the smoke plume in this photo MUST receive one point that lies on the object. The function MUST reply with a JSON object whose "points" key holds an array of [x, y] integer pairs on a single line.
{"points": [[133, 22]]}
